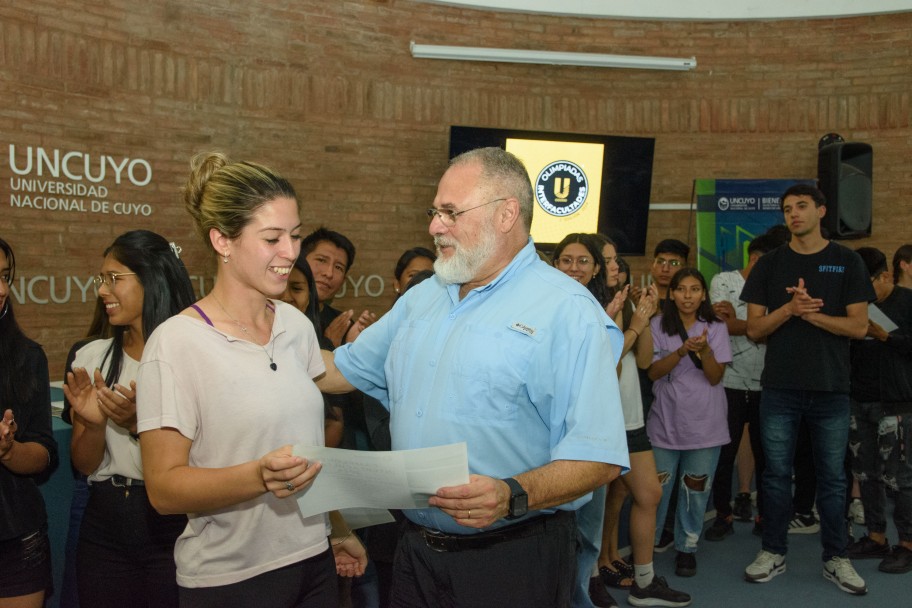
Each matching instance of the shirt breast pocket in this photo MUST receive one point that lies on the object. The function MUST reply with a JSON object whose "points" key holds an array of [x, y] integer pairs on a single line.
{"points": [[490, 382], [401, 360]]}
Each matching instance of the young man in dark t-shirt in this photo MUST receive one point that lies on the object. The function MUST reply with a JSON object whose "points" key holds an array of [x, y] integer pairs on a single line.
{"points": [[807, 299], [882, 412]]}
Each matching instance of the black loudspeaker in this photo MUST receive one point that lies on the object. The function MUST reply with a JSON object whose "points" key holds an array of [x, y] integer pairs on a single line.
{"points": [[844, 175]]}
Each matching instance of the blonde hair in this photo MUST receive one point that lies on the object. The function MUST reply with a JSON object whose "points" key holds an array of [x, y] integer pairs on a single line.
{"points": [[224, 195]]}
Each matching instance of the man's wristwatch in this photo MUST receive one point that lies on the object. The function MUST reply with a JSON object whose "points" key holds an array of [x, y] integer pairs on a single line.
{"points": [[519, 500]]}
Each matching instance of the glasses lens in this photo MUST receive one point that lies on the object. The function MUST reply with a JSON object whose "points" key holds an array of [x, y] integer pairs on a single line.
{"points": [[664, 262], [567, 262], [447, 217]]}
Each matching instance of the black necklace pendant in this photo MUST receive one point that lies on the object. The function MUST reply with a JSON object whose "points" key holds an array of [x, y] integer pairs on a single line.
{"points": [[273, 366]]}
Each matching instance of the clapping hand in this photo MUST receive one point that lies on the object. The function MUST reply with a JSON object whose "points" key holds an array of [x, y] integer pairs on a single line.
{"points": [[7, 433], [699, 343], [617, 302], [802, 303], [83, 396]]}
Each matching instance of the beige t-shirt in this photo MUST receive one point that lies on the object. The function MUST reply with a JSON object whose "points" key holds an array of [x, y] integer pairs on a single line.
{"points": [[219, 392], [121, 455]]}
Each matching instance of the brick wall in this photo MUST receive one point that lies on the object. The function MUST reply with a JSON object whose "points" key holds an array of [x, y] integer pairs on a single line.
{"points": [[327, 93]]}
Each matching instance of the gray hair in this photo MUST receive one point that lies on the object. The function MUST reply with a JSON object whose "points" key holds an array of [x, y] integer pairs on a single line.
{"points": [[502, 172]]}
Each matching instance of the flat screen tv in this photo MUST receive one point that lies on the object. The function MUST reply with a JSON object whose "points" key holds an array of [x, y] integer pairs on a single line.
{"points": [[580, 183]]}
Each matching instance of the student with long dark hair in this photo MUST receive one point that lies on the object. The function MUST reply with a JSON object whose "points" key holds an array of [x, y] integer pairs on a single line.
{"points": [[579, 256], [124, 556], [411, 262], [687, 424], [27, 451], [641, 483]]}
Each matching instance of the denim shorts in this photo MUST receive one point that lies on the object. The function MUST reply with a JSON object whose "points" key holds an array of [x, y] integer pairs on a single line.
{"points": [[638, 441]]}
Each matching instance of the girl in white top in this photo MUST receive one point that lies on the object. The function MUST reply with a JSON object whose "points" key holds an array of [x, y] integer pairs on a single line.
{"points": [[224, 390], [124, 555], [641, 482]]}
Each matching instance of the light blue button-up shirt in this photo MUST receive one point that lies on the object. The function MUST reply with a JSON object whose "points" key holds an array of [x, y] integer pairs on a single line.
{"points": [[521, 369]]}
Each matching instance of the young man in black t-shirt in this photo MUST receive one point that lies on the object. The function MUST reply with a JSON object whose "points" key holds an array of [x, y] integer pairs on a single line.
{"points": [[807, 299], [882, 412]]}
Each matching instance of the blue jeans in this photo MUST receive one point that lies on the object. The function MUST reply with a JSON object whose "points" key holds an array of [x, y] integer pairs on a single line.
{"points": [[673, 466], [590, 518], [69, 596], [882, 456], [827, 417]]}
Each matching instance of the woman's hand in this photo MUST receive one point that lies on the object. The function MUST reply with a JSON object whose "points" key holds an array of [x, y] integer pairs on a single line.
{"points": [[617, 302], [647, 305], [699, 344], [7, 434], [283, 474], [83, 396], [118, 404], [351, 557]]}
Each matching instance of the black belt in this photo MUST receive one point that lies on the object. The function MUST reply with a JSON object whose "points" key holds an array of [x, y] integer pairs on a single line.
{"points": [[449, 543]]}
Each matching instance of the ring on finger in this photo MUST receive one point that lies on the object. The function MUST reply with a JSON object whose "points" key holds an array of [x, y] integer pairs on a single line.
{"points": [[289, 486]]}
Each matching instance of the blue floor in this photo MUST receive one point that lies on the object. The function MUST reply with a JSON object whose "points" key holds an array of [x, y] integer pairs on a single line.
{"points": [[719, 582]]}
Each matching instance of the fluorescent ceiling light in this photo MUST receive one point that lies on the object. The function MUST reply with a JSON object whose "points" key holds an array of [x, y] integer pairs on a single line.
{"points": [[474, 53]]}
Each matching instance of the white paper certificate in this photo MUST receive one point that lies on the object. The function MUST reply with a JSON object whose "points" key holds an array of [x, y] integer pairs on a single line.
{"points": [[403, 479]]}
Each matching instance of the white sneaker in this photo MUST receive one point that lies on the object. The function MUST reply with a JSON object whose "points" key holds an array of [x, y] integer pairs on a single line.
{"points": [[840, 571], [856, 512], [765, 567]]}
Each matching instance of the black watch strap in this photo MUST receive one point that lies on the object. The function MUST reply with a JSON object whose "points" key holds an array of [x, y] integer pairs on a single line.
{"points": [[519, 500]]}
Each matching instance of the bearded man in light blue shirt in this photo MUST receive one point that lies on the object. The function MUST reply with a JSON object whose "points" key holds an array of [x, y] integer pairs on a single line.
{"points": [[513, 357]]}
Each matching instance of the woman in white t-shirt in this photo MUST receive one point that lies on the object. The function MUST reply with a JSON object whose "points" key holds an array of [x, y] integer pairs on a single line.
{"points": [[124, 556], [224, 390]]}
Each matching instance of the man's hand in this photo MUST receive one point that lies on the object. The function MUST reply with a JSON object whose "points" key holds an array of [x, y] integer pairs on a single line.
{"points": [[337, 328], [802, 303], [724, 310], [877, 332], [477, 504], [364, 321]]}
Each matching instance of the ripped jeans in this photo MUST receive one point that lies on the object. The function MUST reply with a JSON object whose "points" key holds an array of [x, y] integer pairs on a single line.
{"points": [[881, 449], [693, 471]]}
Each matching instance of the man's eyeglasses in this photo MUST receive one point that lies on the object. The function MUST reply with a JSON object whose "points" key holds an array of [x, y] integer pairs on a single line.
{"points": [[448, 216], [671, 263], [110, 278], [565, 261]]}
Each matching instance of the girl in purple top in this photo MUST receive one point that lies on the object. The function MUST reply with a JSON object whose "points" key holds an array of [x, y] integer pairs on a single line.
{"points": [[687, 424]]}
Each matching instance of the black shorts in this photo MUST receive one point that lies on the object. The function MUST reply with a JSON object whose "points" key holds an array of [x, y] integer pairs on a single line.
{"points": [[25, 565], [638, 441]]}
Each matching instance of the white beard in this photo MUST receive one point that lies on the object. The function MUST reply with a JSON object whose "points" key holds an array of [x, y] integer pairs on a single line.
{"points": [[464, 264]]}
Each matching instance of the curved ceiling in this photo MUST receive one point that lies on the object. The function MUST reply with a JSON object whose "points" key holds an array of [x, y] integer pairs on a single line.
{"points": [[699, 10]]}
